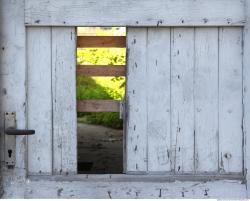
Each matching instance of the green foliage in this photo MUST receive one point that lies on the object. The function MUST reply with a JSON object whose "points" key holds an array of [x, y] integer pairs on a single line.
{"points": [[99, 88], [101, 56]]}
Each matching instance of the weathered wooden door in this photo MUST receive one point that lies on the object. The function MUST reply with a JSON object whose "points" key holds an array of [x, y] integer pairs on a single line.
{"points": [[51, 100], [184, 100]]}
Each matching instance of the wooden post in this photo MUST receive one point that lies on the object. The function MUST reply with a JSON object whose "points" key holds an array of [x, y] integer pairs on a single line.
{"points": [[246, 91]]}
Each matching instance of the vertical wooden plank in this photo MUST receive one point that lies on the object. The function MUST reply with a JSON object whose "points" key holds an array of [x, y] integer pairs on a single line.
{"points": [[246, 95], [13, 72], [230, 99], [182, 100], [39, 100], [158, 99], [206, 99], [136, 147], [64, 100]]}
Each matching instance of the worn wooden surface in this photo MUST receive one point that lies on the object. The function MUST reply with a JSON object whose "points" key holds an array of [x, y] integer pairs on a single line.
{"points": [[158, 99], [13, 72], [101, 41], [201, 98], [206, 99], [182, 100], [230, 100], [98, 106], [116, 186], [101, 70], [15, 79], [64, 100], [51, 100], [246, 96], [136, 93], [39, 100], [134, 13]]}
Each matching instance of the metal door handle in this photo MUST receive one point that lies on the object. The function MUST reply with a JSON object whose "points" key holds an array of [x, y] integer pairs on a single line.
{"points": [[13, 131]]}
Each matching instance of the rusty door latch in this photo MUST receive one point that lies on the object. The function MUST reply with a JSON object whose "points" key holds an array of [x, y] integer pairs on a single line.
{"points": [[10, 132]]}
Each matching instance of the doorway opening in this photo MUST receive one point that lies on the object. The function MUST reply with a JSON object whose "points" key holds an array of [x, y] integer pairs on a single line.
{"points": [[101, 67]]}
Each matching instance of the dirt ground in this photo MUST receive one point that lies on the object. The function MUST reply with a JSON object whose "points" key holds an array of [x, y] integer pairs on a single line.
{"points": [[99, 149]]}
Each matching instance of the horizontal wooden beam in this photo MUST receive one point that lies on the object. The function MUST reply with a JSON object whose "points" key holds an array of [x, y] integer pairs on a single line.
{"points": [[100, 70], [134, 13], [101, 41], [98, 106]]}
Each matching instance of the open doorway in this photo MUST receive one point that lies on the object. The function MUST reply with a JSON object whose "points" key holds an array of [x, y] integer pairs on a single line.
{"points": [[101, 61]]}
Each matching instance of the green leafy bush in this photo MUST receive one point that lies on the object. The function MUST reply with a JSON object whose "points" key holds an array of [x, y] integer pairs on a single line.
{"points": [[101, 88]]}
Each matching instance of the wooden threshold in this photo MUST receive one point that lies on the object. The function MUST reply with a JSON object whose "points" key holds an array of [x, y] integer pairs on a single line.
{"points": [[98, 106], [101, 70], [101, 41]]}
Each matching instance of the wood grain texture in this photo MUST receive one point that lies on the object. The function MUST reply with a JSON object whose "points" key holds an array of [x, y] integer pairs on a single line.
{"points": [[13, 73], [39, 100], [126, 187], [246, 96], [101, 70], [134, 13], [158, 99], [64, 100], [200, 81], [136, 92], [182, 99], [98, 106], [206, 99], [230, 100], [101, 41]]}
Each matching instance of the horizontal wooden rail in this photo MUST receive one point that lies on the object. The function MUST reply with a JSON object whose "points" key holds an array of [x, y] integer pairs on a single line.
{"points": [[98, 106], [134, 13], [101, 41], [101, 70]]}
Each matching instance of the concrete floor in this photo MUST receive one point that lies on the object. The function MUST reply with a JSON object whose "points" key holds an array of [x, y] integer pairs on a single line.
{"points": [[100, 149]]}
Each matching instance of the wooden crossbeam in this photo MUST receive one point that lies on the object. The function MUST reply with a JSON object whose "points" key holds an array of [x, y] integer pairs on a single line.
{"points": [[101, 70], [98, 106], [101, 41]]}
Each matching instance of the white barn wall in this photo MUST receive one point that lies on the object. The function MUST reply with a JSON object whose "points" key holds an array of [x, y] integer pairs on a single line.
{"points": [[13, 98], [136, 144], [230, 100], [64, 100], [206, 84], [182, 100], [51, 63], [39, 92], [13, 72], [206, 99], [158, 91]]}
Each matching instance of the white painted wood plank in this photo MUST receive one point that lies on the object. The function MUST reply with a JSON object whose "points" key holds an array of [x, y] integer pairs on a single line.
{"points": [[64, 100], [230, 100], [182, 99], [134, 13], [12, 72], [136, 92], [158, 99], [39, 100], [246, 96], [108, 188], [206, 99]]}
